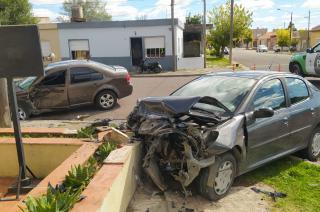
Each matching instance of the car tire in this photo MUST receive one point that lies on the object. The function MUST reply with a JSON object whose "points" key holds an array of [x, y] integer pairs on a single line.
{"points": [[157, 70], [106, 100], [295, 69], [312, 152], [23, 113], [223, 179]]}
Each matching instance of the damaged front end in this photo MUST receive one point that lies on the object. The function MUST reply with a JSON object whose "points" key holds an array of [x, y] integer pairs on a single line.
{"points": [[179, 137]]}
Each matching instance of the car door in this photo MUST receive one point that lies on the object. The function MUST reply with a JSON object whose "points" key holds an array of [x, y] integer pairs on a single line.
{"points": [[301, 114], [84, 82], [267, 135], [313, 60], [51, 91]]}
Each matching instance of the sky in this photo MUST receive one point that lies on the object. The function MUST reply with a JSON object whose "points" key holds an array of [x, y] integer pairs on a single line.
{"points": [[266, 13]]}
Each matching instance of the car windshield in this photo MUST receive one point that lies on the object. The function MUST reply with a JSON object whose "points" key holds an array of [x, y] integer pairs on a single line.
{"points": [[230, 91], [26, 83]]}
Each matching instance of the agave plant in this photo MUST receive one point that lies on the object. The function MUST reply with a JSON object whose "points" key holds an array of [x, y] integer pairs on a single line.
{"points": [[55, 200], [80, 176], [103, 151]]}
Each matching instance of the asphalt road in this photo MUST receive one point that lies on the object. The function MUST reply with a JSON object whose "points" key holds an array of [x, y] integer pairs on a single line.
{"points": [[262, 61], [143, 87]]}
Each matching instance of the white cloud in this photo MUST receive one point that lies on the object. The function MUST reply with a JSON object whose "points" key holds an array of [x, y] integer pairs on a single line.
{"points": [[311, 4], [119, 10], [45, 13], [286, 6], [46, 1], [266, 19], [256, 4]]}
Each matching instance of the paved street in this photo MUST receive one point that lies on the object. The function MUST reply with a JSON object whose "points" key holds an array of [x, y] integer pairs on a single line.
{"points": [[262, 61], [143, 87]]}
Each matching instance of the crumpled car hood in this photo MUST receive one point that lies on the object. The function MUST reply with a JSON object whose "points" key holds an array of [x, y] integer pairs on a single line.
{"points": [[175, 105]]}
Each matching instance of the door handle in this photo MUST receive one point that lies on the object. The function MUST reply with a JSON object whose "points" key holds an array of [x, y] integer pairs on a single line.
{"points": [[285, 120], [313, 112]]}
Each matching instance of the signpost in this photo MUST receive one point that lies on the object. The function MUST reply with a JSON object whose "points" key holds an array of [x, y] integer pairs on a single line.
{"points": [[20, 56]]}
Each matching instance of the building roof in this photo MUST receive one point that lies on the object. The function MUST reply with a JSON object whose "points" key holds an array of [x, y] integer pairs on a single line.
{"points": [[268, 35], [316, 28], [120, 24]]}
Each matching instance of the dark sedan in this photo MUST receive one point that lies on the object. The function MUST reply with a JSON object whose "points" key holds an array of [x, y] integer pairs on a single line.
{"points": [[222, 125], [73, 83]]}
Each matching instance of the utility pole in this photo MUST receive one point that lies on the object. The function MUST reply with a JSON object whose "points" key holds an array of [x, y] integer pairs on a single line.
{"points": [[204, 34], [174, 56], [308, 41], [231, 32], [291, 29]]}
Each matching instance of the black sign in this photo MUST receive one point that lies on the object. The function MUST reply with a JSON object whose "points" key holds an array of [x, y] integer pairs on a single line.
{"points": [[20, 52]]}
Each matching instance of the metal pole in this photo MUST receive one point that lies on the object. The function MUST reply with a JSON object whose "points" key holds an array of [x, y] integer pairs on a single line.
{"points": [[174, 56], [204, 34], [308, 41], [291, 29], [231, 32], [17, 130]]}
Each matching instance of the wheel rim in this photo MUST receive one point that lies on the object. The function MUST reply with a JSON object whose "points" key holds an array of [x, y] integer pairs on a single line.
{"points": [[315, 147], [106, 101], [223, 180], [22, 114]]}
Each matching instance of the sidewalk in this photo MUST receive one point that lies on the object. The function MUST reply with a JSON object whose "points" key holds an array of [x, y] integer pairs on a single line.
{"points": [[190, 72]]}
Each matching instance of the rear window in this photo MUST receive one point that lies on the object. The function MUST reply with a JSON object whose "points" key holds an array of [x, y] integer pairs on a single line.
{"points": [[297, 90], [84, 74]]}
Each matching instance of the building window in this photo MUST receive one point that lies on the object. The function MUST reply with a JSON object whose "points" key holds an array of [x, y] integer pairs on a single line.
{"points": [[154, 47], [79, 49]]}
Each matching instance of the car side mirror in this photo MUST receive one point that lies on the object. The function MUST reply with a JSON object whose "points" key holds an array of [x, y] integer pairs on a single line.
{"points": [[309, 50], [263, 113]]}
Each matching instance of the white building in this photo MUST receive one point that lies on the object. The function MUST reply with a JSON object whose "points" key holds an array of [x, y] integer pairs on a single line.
{"points": [[123, 43]]}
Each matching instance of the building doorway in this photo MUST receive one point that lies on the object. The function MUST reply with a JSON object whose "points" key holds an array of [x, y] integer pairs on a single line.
{"points": [[136, 51]]}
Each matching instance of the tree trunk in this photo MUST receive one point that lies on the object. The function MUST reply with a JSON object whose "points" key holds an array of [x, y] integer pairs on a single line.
{"points": [[5, 120]]}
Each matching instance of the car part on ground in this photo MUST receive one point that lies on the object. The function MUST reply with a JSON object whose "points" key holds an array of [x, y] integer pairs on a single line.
{"points": [[273, 195]]}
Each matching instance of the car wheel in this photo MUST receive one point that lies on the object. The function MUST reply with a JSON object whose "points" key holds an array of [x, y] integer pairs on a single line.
{"points": [[224, 172], [295, 69], [23, 114], [157, 70], [312, 152], [106, 100]]}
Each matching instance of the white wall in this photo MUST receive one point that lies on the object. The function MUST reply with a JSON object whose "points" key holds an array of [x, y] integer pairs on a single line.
{"points": [[190, 63], [113, 42], [179, 42]]}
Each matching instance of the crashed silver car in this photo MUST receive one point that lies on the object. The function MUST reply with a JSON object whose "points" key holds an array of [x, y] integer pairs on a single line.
{"points": [[222, 125]]}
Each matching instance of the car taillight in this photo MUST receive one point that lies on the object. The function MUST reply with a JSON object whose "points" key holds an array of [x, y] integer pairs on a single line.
{"points": [[128, 78]]}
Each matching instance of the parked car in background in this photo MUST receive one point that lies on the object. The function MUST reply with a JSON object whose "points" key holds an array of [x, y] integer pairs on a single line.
{"points": [[262, 48], [226, 51], [306, 63], [278, 48], [73, 83], [225, 124]]}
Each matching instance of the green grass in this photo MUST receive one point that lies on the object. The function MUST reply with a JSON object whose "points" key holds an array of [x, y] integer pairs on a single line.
{"points": [[298, 179], [217, 61]]}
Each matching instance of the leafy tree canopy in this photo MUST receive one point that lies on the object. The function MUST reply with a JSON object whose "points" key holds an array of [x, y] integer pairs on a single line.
{"points": [[219, 36], [14, 12], [195, 19], [93, 10], [283, 37]]}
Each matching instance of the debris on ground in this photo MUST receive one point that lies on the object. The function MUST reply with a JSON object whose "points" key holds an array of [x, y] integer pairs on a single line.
{"points": [[273, 195]]}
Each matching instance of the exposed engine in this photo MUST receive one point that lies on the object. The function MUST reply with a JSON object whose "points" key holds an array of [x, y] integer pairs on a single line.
{"points": [[179, 140]]}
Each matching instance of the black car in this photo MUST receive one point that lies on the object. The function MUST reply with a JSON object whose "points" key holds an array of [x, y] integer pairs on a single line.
{"points": [[73, 83], [222, 125]]}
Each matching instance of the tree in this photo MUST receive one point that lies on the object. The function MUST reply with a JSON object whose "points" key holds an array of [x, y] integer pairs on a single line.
{"points": [[12, 12], [283, 37], [16, 12], [219, 36], [195, 19], [94, 10], [247, 37]]}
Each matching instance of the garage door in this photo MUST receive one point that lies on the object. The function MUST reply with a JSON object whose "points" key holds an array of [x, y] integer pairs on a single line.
{"points": [[79, 45]]}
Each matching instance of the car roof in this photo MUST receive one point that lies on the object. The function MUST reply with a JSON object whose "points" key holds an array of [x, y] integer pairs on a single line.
{"points": [[251, 74]]}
